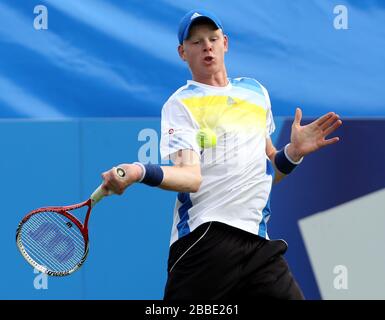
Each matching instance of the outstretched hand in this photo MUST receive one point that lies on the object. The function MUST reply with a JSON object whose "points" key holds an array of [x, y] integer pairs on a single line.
{"points": [[309, 138]]}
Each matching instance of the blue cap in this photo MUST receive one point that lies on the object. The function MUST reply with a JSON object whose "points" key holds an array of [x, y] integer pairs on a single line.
{"points": [[190, 17]]}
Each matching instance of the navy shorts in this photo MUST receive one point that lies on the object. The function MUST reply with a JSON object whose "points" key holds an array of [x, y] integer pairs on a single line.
{"points": [[217, 261]]}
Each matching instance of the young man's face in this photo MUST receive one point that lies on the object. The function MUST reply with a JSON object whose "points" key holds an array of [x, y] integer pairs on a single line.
{"points": [[204, 50]]}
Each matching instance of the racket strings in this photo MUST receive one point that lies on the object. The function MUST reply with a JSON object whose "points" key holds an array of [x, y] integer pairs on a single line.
{"points": [[52, 241], [45, 258], [43, 231], [54, 254]]}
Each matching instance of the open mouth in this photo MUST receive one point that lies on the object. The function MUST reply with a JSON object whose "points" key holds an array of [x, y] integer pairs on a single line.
{"points": [[209, 59]]}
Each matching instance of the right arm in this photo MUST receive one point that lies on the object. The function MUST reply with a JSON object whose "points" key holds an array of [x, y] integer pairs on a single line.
{"points": [[183, 176]]}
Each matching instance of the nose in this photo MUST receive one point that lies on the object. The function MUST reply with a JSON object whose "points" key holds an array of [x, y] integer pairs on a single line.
{"points": [[207, 46]]}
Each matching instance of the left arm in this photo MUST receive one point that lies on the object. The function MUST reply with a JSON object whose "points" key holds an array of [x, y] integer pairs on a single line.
{"points": [[305, 139]]}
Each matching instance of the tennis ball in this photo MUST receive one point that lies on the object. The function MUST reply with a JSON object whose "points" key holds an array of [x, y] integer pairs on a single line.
{"points": [[206, 138]]}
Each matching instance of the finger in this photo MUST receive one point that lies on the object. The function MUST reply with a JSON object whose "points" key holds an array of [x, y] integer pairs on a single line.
{"points": [[106, 175], [329, 122], [332, 128], [331, 141], [110, 188], [320, 121], [298, 116]]}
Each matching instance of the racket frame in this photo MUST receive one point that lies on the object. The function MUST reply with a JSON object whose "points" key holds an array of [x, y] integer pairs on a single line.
{"points": [[95, 197], [64, 212]]}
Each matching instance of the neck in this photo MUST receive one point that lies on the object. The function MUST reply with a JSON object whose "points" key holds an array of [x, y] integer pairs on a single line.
{"points": [[218, 79]]}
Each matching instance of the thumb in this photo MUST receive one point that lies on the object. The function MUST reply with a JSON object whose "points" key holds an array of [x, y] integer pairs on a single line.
{"points": [[298, 116]]}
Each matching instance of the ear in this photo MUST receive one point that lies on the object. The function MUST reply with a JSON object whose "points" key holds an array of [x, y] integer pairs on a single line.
{"points": [[181, 52], [226, 42]]}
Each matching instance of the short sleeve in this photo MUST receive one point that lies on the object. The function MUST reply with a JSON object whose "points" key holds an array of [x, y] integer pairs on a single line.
{"points": [[178, 129], [270, 125]]}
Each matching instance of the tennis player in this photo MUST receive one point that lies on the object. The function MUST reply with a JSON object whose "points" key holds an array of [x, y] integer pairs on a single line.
{"points": [[219, 246]]}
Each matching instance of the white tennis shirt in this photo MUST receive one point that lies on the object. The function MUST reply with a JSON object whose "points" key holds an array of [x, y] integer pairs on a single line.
{"points": [[237, 174]]}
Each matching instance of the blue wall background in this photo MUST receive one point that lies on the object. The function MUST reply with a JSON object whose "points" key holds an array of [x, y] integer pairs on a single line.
{"points": [[73, 99]]}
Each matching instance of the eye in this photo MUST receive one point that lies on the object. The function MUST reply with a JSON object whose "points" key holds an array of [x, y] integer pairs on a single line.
{"points": [[195, 42], [214, 39]]}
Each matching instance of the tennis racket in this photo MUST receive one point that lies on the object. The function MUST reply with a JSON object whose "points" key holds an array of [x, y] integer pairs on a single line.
{"points": [[53, 240]]}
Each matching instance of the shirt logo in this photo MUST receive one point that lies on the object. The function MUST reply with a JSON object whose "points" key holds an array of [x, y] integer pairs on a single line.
{"points": [[171, 131]]}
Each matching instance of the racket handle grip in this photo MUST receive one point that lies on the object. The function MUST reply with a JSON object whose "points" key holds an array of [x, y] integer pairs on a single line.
{"points": [[97, 195]]}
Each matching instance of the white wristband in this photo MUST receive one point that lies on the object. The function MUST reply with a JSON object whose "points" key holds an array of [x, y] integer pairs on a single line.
{"points": [[143, 170], [288, 158]]}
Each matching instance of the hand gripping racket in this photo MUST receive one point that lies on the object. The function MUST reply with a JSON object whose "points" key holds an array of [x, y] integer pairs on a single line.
{"points": [[53, 240]]}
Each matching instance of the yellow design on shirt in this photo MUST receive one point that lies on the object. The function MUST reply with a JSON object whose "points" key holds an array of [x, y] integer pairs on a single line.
{"points": [[227, 112]]}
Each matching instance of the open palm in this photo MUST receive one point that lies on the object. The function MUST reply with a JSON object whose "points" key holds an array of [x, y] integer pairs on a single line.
{"points": [[311, 137]]}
